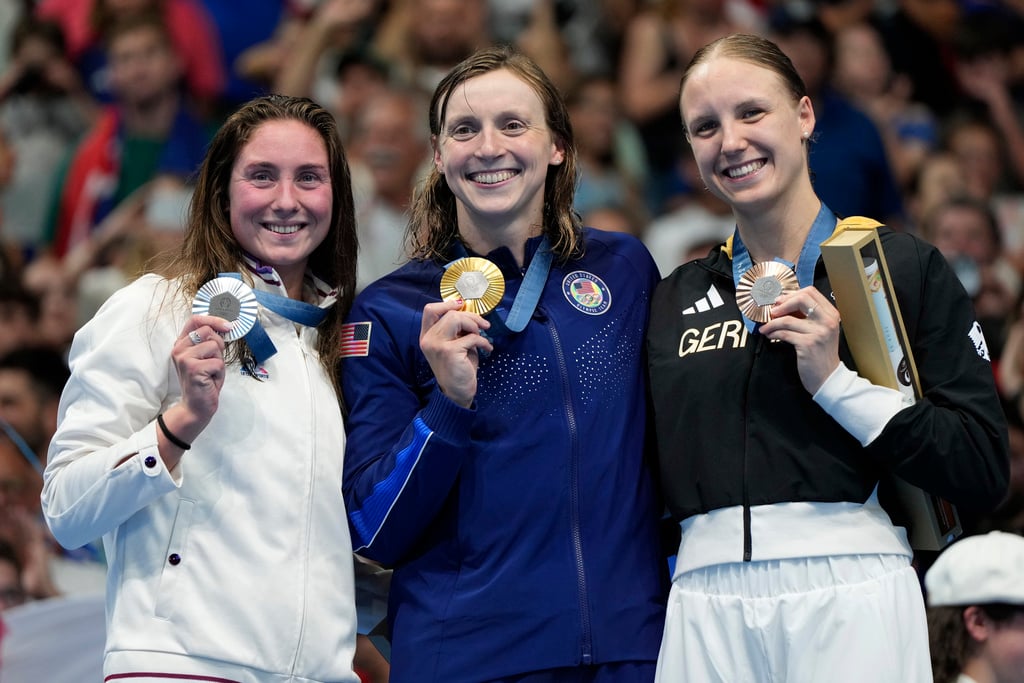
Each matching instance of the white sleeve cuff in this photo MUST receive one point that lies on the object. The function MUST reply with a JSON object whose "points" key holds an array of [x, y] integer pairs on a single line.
{"points": [[862, 408]]}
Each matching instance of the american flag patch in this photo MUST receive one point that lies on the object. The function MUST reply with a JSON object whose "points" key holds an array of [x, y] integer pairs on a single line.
{"points": [[355, 339]]}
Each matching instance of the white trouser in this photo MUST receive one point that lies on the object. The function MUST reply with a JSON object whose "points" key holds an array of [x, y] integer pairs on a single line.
{"points": [[844, 619]]}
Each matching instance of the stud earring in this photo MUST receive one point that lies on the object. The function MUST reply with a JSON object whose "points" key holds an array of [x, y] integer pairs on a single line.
{"points": [[807, 134]]}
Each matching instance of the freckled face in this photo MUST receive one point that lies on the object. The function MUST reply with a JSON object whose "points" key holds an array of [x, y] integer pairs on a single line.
{"points": [[495, 148], [746, 131], [280, 196]]}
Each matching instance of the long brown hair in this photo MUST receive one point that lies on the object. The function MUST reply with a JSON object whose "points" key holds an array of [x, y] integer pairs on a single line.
{"points": [[210, 248], [434, 224]]}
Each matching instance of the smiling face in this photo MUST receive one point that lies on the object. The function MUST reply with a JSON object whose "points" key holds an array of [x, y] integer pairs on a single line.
{"points": [[280, 197], [494, 149], [747, 132]]}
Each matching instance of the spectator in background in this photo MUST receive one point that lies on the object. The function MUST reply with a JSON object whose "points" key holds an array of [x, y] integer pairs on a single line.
{"points": [[849, 167], [578, 29], [19, 314], [863, 74], [390, 154], [240, 26], [44, 109], [611, 163], [56, 292], [360, 76], [939, 178], [148, 130], [918, 37], [423, 39], [985, 44], [975, 595], [310, 48], [966, 232], [612, 218], [191, 33], [21, 524], [658, 43], [1010, 379], [978, 149], [31, 381], [689, 231], [12, 593]]}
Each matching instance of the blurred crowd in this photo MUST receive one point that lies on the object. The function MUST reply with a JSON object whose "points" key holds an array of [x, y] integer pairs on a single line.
{"points": [[106, 107]]}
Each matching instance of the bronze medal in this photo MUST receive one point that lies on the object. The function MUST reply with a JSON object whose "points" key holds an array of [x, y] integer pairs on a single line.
{"points": [[760, 287], [476, 281]]}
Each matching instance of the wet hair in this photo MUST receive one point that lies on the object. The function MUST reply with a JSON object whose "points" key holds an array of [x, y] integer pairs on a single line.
{"points": [[755, 50], [433, 227], [209, 246]]}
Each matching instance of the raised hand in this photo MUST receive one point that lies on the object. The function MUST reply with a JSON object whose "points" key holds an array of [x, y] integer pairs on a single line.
{"points": [[451, 341]]}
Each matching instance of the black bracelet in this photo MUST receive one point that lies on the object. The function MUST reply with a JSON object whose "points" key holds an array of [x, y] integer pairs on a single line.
{"points": [[171, 437]]}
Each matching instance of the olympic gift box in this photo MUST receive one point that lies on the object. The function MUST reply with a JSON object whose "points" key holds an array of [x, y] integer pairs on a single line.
{"points": [[874, 331]]}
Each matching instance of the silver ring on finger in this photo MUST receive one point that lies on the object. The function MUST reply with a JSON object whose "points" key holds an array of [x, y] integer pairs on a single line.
{"points": [[810, 311], [195, 337]]}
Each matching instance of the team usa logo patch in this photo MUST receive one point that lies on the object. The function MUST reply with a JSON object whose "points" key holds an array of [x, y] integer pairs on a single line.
{"points": [[586, 292], [355, 339]]}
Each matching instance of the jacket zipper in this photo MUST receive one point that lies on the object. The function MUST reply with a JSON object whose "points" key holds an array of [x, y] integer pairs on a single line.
{"points": [[586, 644], [748, 543], [309, 505]]}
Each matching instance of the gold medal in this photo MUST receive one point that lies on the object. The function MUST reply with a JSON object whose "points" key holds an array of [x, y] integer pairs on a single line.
{"points": [[760, 287], [476, 281]]}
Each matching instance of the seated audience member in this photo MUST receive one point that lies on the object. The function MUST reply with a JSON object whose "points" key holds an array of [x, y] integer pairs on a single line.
{"points": [[975, 595]]}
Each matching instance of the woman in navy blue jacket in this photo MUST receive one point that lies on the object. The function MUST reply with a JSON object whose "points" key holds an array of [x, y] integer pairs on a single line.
{"points": [[497, 460]]}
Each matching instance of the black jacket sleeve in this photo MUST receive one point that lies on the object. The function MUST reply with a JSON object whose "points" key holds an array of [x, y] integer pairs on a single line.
{"points": [[953, 442]]}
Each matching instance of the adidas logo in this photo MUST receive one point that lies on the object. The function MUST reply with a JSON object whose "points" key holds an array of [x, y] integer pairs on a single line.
{"points": [[712, 300]]}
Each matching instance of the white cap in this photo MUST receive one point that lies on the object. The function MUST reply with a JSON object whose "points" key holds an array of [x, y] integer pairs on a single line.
{"points": [[978, 570]]}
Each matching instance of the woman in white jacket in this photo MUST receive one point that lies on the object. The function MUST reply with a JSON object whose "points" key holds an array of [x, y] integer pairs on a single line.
{"points": [[210, 462]]}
